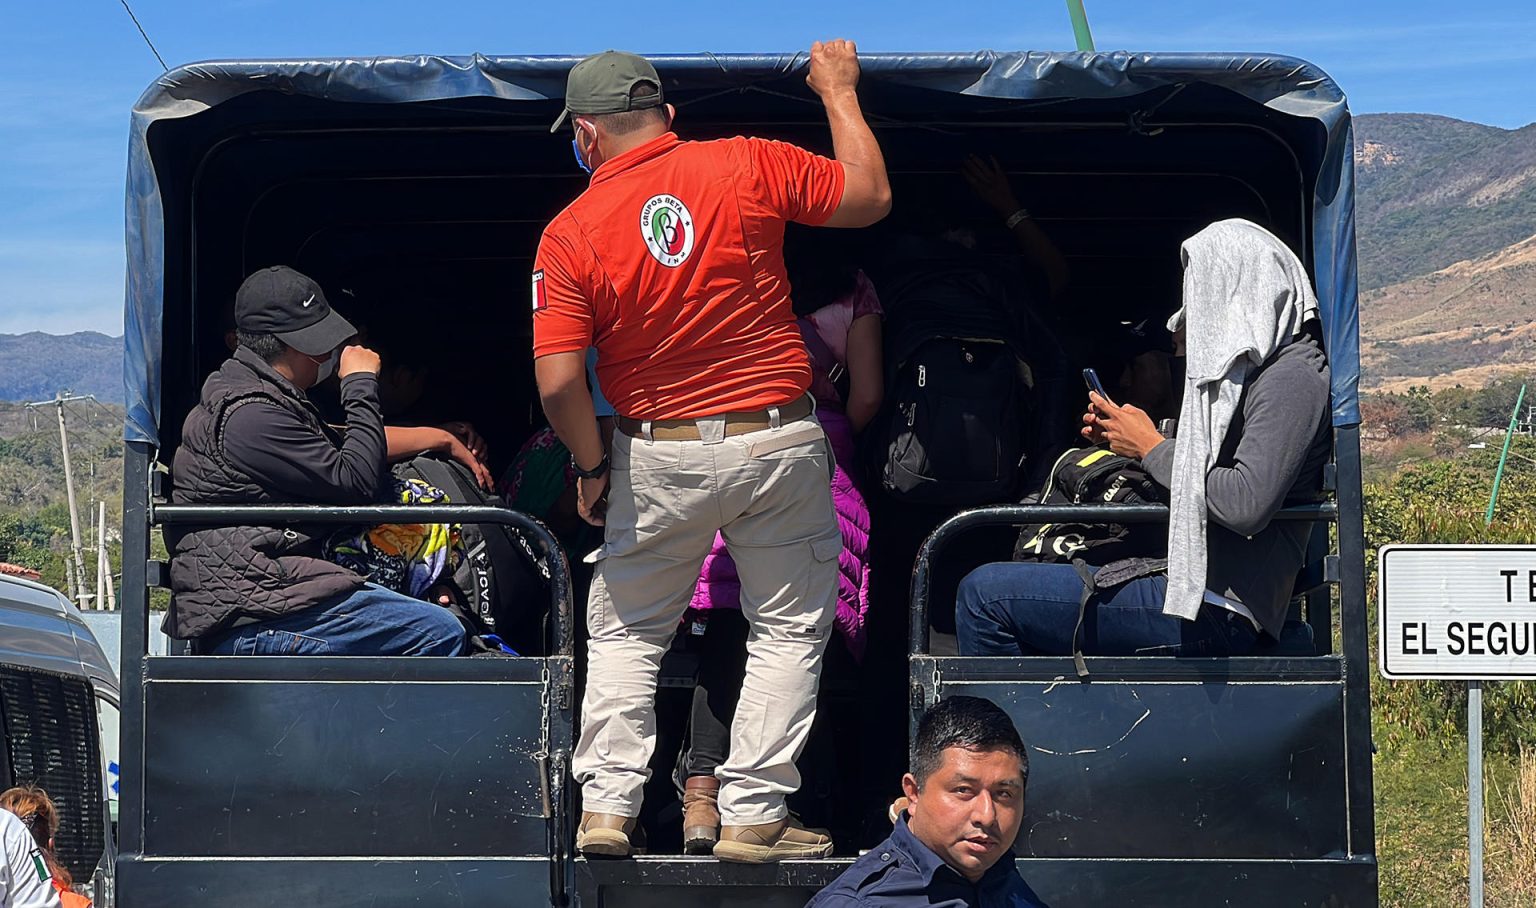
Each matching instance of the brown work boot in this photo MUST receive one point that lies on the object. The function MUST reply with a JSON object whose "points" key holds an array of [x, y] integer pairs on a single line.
{"points": [[768, 842], [701, 814], [605, 835]]}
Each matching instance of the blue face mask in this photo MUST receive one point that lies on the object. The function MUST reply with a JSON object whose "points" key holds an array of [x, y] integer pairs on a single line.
{"points": [[580, 161]]}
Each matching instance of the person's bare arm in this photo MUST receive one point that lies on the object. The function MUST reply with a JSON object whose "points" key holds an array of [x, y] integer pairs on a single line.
{"points": [[834, 77], [990, 183], [465, 431], [405, 442], [866, 371], [562, 380]]}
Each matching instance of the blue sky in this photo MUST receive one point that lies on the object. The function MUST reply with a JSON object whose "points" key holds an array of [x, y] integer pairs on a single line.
{"points": [[71, 69]]}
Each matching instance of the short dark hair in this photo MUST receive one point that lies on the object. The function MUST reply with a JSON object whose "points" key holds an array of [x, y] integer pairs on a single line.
{"points": [[968, 722], [626, 122], [267, 346]]}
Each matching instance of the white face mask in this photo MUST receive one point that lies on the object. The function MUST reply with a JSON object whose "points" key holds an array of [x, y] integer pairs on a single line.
{"points": [[327, 365]]}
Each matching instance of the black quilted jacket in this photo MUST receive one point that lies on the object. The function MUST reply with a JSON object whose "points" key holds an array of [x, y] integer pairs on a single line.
{"points": [[223, 576]]}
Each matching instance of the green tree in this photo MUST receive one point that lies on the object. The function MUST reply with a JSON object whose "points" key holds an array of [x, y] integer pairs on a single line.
{"points": [[1421, 408], [26, 541]]}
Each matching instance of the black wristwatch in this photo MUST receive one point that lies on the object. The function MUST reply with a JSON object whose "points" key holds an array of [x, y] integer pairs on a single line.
{"points": [[595, 472]]}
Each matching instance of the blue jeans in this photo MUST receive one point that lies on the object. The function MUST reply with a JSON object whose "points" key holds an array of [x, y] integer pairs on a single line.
{"points": [[372, 621], [1011, 608]]}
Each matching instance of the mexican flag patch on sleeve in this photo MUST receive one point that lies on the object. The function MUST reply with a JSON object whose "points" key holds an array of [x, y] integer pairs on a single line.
{"points": [[41, 866], [540, 301]]}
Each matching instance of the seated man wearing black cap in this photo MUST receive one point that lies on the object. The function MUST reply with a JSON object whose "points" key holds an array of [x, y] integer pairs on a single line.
{"points": [[255, 438]]}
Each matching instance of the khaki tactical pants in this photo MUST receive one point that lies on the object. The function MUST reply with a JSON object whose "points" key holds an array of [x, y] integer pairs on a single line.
{"points": [[767, 492]]}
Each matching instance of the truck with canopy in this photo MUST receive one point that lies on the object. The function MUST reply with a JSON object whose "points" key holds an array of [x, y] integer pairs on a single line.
{"points": [[422, 184]]}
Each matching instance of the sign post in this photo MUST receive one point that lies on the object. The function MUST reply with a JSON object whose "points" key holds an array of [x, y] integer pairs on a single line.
{"points": [[1459, 613], [1475, 791]]}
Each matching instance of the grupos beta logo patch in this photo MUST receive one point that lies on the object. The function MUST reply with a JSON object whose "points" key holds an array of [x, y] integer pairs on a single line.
{"points": [[667, 227]]}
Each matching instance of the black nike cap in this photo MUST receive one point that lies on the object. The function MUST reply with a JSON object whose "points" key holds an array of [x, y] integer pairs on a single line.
{"points": [[281, 301]]}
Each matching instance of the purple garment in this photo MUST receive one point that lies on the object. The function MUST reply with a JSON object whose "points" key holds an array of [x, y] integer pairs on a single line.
{"points": [[720, 587]]}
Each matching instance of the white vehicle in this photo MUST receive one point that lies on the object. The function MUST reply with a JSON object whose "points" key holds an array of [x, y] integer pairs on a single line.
{"points": [[59, 722]]}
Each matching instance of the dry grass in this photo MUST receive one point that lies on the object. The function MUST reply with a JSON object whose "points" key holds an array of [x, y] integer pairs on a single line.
{"points": [[1512, 839], [1478, 376], [1421, 825]]}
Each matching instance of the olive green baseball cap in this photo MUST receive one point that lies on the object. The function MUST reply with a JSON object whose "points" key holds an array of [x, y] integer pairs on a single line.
{"points": [[600, 84]]}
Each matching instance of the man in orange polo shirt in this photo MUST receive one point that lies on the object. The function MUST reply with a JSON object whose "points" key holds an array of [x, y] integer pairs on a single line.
{"points": [[671, 265]]}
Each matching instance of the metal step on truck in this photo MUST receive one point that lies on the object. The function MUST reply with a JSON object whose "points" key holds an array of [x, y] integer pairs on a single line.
{"points": [[446, 782]]}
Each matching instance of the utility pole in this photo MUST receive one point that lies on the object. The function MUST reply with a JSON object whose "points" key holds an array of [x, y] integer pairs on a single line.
{"points": [[101, 553], [78, 565], [103, 564], [106, 567], [90, 535]]}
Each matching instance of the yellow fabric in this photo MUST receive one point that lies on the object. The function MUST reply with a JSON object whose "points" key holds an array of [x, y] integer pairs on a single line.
{"points": [[1095, 457]]}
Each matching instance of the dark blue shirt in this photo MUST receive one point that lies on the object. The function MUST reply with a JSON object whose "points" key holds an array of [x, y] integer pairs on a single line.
{"points": [[902, 872]]}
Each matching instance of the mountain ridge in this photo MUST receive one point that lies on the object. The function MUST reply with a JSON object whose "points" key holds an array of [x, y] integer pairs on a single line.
{"points": [[1466, 324], [1432, 191], [37, 365]]}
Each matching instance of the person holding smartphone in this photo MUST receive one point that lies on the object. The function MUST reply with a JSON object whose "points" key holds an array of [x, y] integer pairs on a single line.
{"points": [[1244, 291]]}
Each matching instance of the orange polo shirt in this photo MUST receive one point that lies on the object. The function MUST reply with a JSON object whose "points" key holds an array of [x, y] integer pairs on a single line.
{"points": [[671, 264]]}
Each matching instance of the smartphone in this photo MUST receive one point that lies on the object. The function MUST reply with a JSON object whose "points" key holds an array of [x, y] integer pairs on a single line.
{"points": [[1091, 379]]}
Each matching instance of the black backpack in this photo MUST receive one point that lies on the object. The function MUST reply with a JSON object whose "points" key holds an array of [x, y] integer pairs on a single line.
{"points": [[1095, 476], [953, 430], [505, 585]]}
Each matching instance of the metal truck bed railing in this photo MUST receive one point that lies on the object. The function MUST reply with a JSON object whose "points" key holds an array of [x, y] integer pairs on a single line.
{"points": [[1018, 515], [286, 515], [286, 773], [1216, 773], [1302, 824]]}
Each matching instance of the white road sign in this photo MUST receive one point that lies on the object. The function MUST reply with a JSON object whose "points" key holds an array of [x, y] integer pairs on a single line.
{"points": [[1462, 612]]}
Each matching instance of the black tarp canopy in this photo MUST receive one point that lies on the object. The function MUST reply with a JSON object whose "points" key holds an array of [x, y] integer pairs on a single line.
{"points": [[1299, 103]]}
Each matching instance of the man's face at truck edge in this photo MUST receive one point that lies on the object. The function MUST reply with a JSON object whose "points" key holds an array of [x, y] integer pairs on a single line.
{"points": [[969, 809]]}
